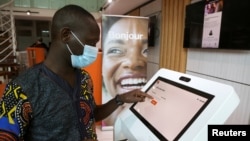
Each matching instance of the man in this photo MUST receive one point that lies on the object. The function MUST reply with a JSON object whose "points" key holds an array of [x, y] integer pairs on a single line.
{"points": [[39, 43], [53, 100]]}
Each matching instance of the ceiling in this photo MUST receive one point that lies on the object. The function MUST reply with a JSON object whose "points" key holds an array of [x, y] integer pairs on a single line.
{"points": [[121, 7], [44, 9], [90, 5]]}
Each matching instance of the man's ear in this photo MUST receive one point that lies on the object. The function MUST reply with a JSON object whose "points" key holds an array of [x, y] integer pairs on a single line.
{"points": [[65, 34]]}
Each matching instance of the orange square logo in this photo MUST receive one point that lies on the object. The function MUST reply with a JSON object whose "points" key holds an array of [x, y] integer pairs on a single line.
{"points": [[154, 102]]}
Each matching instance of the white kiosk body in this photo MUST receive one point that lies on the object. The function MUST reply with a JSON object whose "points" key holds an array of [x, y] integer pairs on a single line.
{"points": [[182, 108]]}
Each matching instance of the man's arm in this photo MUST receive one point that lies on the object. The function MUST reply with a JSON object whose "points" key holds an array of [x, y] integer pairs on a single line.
{"points": [[15, 113], [102, 111]]}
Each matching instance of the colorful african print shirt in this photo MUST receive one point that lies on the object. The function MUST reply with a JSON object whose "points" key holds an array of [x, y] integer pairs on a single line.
{"points": [[39, 105]]}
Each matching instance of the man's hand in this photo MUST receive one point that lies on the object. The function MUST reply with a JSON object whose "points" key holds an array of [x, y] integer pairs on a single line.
{"points": [[134, 96]]}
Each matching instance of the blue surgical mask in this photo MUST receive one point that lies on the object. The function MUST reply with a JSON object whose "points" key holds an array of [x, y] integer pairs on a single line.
{"points": [[88, 56]]}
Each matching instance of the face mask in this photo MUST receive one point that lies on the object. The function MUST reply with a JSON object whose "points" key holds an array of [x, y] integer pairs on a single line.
{"points": [[88, 56]]}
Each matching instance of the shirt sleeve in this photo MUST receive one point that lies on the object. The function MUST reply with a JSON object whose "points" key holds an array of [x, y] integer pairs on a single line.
{"points": [[15, 113], [88, 105], [87, 85]]}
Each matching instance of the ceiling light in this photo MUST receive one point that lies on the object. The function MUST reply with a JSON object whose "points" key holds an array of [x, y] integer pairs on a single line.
{"points": [[109, 1], [28, 12]]}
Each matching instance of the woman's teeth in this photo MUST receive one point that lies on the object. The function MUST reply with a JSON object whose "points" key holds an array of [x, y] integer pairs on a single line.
{"points": [[133, 82]]}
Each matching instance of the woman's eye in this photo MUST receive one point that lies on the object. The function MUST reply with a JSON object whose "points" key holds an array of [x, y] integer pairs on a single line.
{"points": [[115, 51], [145, 52]]}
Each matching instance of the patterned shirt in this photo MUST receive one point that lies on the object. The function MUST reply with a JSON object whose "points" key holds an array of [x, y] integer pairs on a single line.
{"points": [[39, 105]]}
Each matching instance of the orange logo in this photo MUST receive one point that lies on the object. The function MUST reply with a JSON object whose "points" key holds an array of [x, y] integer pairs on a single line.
{"points": [[154, 102]]}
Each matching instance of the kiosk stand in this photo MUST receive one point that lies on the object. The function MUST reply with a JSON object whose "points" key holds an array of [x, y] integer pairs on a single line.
{"points": [[182, 108]]}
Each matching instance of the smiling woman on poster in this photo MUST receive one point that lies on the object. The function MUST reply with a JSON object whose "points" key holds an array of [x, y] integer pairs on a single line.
{"points": [[125, 42]]}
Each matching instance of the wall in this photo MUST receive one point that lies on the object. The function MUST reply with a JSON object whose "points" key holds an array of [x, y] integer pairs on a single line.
{"points": [[226, 66], [172, 55], [152, 9], [229, 67]]}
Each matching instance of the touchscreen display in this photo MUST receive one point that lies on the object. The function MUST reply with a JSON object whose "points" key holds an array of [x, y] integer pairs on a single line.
{"points": [[173, 109]]}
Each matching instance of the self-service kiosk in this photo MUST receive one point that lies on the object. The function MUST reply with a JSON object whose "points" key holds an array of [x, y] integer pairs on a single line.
{"points": [[182, 108]]}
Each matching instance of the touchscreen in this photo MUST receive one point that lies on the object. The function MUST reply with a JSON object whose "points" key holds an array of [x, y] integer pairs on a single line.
{"points": [[173, 109]]}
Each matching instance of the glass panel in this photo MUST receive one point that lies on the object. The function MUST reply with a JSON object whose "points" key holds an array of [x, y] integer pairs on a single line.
{"points": [[27, 23], [41, 3], [24, 33], [42, 28]]}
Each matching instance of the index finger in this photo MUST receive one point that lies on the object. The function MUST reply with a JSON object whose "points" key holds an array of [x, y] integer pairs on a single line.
{"points": [[146, 95]]}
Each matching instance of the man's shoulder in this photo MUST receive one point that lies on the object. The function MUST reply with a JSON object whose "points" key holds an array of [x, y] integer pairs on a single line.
{"points": [[29, 76], [84, 72]]}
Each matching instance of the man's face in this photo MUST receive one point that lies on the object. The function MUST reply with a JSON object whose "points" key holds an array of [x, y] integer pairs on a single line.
{"points": [[125, 58]]}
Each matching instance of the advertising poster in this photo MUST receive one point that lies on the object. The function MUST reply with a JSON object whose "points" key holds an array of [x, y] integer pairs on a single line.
{"points": [[212, 23], [124, 66]]}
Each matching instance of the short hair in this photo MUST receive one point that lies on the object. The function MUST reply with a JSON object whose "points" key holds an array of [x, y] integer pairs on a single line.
{"points": [[71, 16]]}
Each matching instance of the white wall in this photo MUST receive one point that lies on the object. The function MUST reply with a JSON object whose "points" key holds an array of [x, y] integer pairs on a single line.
{"points": [[229, 67], [151, 9]]}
